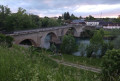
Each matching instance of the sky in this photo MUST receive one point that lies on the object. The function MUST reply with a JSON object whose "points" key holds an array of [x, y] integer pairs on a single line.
{"points": [[52, 8]]}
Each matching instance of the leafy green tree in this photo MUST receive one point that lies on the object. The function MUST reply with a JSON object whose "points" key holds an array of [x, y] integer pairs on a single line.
{"points": [[68, 44], [48, 22], [52, 23], [97, 38], [96, 43], [111, 66], [72, 17], [106, 46], [36, 19], [4, 13], [66, 16], [22, 20], [90, 17], [45, 22]]}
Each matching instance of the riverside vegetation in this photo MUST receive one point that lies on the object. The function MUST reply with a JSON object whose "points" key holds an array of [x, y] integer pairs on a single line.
{"points": [[28, 64], [20, 64]]}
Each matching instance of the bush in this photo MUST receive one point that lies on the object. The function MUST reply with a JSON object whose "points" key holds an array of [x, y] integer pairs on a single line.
{"points": [[82, 49], [6, 40], [53, 48], [105, 47], [89, 50], [69, 45], [111, 66]]}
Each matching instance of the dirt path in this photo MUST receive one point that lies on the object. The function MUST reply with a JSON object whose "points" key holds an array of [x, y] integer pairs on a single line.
{"points": [[78, 66]]}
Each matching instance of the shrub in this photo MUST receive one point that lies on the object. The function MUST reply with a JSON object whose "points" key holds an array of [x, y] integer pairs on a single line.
{"points": [[68, 44], [111, 66], [106, 46], [53, 48], [9, 41], [6, 40], [89, 50]]}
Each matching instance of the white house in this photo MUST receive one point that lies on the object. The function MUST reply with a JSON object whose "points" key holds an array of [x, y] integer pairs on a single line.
{"points": [[112, 27], [92, 23]]}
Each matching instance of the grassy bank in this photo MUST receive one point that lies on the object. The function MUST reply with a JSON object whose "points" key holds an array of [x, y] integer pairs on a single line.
{"points": [[93, 62], [18, 64]]}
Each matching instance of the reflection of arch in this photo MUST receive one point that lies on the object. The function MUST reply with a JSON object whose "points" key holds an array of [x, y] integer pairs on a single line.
{"points": [[71, 31], [28, 42]]}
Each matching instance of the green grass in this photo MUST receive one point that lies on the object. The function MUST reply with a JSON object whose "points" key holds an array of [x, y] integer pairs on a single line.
{"points": [[93, 62], [18, 64], [108, 33]]}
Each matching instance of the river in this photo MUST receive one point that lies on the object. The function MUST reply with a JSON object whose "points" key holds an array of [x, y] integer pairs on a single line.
{"points": [[83, 42]]}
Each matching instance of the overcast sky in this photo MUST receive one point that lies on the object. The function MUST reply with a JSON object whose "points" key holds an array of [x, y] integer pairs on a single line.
{"points": [[108, 8]]}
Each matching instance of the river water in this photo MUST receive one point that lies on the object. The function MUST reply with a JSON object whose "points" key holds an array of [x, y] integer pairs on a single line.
{"points": [[83, 42]]}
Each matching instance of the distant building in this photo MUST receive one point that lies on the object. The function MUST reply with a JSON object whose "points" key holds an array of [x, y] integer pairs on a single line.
{"points": [[78, 22], [92, 23], [112, 26]]}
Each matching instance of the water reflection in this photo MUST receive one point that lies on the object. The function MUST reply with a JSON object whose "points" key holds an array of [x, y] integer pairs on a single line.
{"points": [[83, 42]]}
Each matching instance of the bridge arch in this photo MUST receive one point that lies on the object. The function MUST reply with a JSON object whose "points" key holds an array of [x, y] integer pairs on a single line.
{"points": [[72, 31], [28, 42], [48, 39]]}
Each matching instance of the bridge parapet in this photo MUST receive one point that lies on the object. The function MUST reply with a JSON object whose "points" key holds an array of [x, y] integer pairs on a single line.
{"points": [[40, 30]]}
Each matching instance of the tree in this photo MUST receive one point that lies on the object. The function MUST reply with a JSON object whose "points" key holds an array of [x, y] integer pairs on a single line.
{"points": [[48, 22], [52, 23], [80, 17], [97, 38], [36, 20], [66, 16], [111, 66], [9, 22], [96, 43], [72, 17], [4, 13], [90, 17], [68, 44], [106, 46]]}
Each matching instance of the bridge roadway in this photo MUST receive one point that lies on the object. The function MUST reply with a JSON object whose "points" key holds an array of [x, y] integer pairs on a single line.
{"points": [[22, 32]]}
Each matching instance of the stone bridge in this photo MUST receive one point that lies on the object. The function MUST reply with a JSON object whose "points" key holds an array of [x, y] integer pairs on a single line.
{"points": [[42, 37]]}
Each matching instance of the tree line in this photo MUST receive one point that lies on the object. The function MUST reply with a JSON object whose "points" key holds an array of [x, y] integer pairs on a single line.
{"points": [[21, 20]]}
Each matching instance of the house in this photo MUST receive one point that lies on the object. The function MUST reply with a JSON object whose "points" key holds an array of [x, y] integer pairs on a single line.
{"points": [[92, 23], [112, 26]]}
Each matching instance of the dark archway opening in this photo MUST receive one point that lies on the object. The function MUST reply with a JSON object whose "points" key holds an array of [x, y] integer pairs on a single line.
{"points": [[71, 31], [26, 42]]}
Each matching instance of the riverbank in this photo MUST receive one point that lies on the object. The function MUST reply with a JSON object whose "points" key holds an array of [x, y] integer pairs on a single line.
{"points": [[92, 62], [21, 64]]}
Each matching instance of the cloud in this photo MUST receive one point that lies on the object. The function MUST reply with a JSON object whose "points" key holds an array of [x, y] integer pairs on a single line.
{"points": [[56, 7]]}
